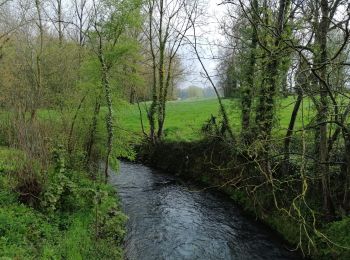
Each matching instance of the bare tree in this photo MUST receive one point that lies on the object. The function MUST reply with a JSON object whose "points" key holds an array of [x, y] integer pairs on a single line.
{"points": [[168, 22], [82, 19]]}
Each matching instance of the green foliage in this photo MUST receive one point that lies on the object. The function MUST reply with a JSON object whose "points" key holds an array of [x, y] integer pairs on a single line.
{"points": [[27, 234], [338, 233], [108, 217], [122, 143], [80, 241], [64, 226], [59, 187], [77, 242], [58, 193], [23, 232], [195, 92], [49, 107]]}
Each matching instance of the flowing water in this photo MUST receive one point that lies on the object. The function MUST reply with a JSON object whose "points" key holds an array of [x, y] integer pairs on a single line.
{"points": [[170, 220]]}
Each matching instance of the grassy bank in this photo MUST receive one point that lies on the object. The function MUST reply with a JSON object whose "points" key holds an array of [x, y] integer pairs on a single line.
{"points": [[58, 214]]}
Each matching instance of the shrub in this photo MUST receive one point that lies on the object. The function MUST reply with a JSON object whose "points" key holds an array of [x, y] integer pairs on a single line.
{"points": [[338, 233], [23, 232]]}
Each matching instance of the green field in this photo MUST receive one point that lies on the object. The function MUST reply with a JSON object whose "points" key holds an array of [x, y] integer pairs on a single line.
{"points": [[184, 119]]}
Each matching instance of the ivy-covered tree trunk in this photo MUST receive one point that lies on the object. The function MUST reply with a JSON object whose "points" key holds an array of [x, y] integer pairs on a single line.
{"points": [[165, 97], [346, 196], [161, 70], [266, 106], [162, 99], [249, 72], [153, 108], [109, 116]]}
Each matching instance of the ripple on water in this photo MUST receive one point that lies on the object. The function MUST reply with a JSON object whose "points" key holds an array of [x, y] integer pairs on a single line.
{"points": [[171, 221]]}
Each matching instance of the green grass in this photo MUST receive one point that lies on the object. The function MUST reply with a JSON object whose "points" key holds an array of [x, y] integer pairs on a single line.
{"points": [[11, 159], [184, 119]]}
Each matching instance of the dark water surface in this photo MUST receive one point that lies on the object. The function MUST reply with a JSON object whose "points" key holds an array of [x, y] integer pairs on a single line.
{"points": [[168, 220]]}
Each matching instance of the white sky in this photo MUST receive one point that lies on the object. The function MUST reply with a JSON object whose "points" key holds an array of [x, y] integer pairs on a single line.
{"points": [[210, 34]]}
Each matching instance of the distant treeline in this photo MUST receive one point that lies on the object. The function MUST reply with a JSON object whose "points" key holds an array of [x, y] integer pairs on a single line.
{"points": [[195, 92]]}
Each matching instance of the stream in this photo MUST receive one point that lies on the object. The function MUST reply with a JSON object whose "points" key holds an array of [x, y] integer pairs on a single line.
{"points": [[172, 220]]}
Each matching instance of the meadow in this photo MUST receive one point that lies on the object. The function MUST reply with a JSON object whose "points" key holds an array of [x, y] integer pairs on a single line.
{"points": [[185, 118]]}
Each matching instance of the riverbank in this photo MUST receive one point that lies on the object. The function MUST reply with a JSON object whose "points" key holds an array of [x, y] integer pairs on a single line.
{"points": [[219, 166], [59, 214]]}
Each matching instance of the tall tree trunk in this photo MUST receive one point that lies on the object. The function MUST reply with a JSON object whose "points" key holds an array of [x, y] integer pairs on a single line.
{"points": [[288, 137], [70, 136], [248, 85], [321, 141], [266, 105], [152, 110], [165, 97], [161, 71], [301, 81], [109, 116], [346, 196], [38, 76], [60, 22], [132, 95]]}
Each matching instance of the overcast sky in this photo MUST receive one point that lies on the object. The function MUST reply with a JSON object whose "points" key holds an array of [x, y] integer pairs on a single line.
{"points": [[211, 35]]}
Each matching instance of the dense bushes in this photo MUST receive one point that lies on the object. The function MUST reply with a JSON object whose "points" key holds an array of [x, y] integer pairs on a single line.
{"points": [[338, 232]]}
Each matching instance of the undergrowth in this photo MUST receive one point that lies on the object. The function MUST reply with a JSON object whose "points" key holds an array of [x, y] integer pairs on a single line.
{"points": [[72, 217]]}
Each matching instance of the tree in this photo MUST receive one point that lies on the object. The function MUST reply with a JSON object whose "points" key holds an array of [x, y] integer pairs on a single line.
{"points": [[111, 19], [229, 75], [249, 69], [167, 25]]}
